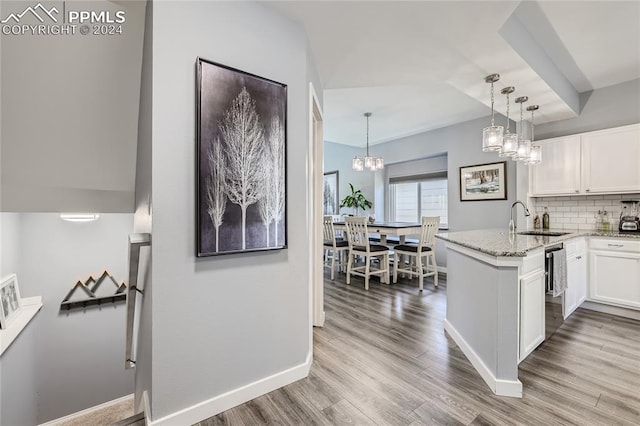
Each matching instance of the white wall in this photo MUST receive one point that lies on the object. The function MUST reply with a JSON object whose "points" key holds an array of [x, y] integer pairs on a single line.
{"points": [[18, 404], [80, 354], [69, 115], [224, 322]]}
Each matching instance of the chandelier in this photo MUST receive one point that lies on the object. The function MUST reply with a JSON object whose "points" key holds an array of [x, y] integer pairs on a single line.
{"points": [[506, 144], [367, 162]]}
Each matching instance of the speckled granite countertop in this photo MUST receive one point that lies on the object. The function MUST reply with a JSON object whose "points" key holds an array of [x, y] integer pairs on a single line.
{"points": [[498, 242]]}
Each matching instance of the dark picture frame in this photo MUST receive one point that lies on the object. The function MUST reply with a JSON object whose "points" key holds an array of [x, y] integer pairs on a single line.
{"points": [[241, 154], [331, 193], [484, 182]]}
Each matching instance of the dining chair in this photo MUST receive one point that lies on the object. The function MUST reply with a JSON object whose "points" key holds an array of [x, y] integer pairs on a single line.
{"points": [[425, 249], [359, 245], [335, 248]]}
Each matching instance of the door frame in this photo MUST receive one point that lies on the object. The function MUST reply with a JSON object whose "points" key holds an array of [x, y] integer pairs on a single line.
{"points": [[316, 182]]}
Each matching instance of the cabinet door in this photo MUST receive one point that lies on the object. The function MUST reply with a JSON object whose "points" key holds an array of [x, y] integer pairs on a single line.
{"points": [[576, 283], [531, 312], [611, 160], [614, 278], [559, 171]]}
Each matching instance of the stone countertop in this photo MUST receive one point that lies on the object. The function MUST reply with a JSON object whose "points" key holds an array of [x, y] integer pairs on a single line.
{"points": [[498, 242]]}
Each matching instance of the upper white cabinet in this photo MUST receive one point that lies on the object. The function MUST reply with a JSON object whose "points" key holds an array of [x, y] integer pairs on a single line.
{"points": [[559, 171], [611, 160], [605, 161]]}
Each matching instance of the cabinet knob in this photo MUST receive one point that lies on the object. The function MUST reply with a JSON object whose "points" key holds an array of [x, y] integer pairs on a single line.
{"points": [[587, 190], [579, 257], [577, 191]]}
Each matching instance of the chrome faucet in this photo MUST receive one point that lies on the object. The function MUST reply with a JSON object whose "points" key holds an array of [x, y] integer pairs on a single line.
{"points": [[512, 225]]}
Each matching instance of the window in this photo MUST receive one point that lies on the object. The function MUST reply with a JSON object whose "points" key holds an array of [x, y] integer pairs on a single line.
{"points": [[417, 196]]}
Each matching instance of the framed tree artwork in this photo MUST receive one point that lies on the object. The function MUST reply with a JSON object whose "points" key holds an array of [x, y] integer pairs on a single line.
{"points": [[330, 196], [241, 161]]}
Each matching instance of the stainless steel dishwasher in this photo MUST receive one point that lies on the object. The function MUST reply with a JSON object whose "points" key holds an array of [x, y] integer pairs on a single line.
{"points": [[553, 306]]}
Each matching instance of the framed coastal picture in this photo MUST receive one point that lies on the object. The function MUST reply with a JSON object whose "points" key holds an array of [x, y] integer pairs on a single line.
{"points": [[241, 182], [10, 303], [330, 196], [483, 182]]}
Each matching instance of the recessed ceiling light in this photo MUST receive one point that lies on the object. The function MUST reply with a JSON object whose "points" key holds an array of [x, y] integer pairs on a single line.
{"points": [[79, 217]]}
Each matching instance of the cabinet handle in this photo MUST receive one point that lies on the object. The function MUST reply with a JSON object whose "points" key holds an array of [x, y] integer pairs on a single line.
{"points": [[577, 191], [579, 257], [587, 190], [615, 245]]}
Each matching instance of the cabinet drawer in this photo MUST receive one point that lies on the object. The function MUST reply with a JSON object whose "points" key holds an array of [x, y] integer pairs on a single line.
{"points": [[618, 244]]}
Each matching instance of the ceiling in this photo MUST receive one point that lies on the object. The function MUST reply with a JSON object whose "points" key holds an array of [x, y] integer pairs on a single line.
{"points": [[420, 65]]}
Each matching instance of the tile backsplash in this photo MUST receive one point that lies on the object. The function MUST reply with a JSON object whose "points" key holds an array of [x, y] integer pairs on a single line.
{"points": [[578, 212]]}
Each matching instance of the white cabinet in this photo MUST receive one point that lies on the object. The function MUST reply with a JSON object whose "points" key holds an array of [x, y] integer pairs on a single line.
{"points": [[614, 272], [559, 171], [604, 161], [611, 160], [576, 292], [531, 312]]}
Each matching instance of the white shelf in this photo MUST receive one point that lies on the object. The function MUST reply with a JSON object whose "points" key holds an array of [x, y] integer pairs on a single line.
{"points": [[30, 307]]}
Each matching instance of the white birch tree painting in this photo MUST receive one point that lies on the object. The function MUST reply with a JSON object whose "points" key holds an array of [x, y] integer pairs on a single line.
{"points": [[241, 157], [277, 172], [243, 134], [265, 205], [216, 196]]}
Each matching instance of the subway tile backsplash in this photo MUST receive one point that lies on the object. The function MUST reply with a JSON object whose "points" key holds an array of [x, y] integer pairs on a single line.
{"points": [[578, 212]]}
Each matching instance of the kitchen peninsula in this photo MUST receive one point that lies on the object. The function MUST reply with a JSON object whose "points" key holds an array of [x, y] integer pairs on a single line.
{"points": [[495, 294]]}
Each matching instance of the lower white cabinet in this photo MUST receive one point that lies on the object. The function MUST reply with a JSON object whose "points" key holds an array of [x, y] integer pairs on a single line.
{"points": [[614, 272], [531, 312], [576, 292]]}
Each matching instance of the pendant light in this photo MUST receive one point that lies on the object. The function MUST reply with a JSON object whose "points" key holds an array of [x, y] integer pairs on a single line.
{"points": [[367, 162], [509, 140], [535, 156], [523, 151], [492, 135]]}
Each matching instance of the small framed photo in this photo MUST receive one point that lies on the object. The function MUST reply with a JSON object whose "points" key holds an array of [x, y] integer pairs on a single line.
{"points": [[330, 195], [483, 182], [10, 302]]}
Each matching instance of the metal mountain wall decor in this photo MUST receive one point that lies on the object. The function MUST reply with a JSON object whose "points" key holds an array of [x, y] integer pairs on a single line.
{"points": [[89, 289]]}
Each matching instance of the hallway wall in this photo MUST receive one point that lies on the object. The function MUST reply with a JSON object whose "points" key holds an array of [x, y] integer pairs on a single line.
{"points": [[223, 324]]}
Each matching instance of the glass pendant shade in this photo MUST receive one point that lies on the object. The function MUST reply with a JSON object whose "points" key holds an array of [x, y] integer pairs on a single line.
{"points": [[367, 162], [492, 138], [357, 164], [535, 156], [523, 152], [509, 145]]}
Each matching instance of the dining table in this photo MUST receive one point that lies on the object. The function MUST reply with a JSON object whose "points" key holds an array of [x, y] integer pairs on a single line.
{"points": [[386, 229]]}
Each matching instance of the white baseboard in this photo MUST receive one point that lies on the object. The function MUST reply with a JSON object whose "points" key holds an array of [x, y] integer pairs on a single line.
{"points": [[609, 309], [87, 411], [500, 387], [218, 404]]}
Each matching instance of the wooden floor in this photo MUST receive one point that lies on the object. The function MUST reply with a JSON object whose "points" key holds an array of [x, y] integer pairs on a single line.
{"points": [[383, 358]]}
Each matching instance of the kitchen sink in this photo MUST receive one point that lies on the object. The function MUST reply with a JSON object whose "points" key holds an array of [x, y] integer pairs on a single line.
{"points": [[545, 233]]}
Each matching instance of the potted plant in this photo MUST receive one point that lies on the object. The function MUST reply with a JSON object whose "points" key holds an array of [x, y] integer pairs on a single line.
{"points": [[356, 200]]}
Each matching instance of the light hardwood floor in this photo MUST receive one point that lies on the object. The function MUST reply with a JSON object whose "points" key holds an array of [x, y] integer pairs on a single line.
{"points": [[383, 358]]}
